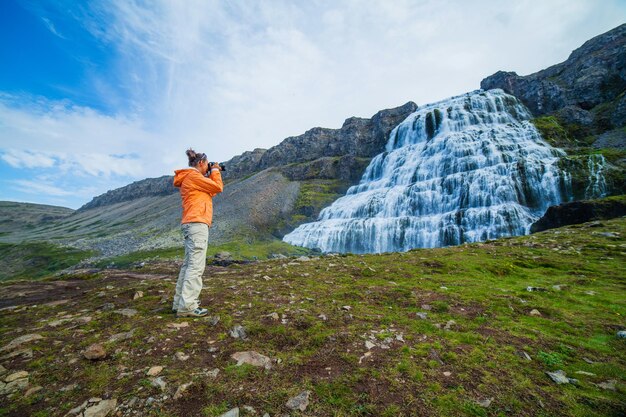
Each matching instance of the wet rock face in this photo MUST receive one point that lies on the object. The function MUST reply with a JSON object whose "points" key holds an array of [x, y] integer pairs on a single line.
{"points": [[593, 74], [579, 212]]}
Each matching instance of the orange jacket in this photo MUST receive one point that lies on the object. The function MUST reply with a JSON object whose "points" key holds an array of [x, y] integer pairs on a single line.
{"points": [[197, 193]]}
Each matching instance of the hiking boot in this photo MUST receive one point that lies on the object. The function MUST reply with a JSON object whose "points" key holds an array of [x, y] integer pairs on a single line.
{"points": [[198, 312]]}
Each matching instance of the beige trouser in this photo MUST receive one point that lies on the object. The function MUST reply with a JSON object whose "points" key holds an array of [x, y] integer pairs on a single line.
{"points": [[190, 277]]}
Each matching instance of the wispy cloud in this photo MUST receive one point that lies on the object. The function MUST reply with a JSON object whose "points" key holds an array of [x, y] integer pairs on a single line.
{"points": [[51, 27], [226, 77]]}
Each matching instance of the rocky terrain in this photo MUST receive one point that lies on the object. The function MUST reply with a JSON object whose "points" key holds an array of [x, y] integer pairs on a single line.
{"points": [[587, 89], [531, 325]]}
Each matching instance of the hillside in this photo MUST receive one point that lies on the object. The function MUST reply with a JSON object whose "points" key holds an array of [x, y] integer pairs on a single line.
{"points": [[577, 106], [470, 330]]}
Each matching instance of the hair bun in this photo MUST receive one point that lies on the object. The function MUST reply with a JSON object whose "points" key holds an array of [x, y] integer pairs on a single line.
{"points": [[191, 154]]}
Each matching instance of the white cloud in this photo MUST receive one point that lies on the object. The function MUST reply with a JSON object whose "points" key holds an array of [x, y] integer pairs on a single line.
{"points": [[37, 187], [225, 77], [51, 27]]}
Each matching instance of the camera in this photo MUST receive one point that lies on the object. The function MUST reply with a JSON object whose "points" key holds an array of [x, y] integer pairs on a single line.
{"points": [[221, 166]]}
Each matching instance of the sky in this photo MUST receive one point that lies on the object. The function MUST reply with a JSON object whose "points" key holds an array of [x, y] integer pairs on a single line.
{"points": [[97, 94]]}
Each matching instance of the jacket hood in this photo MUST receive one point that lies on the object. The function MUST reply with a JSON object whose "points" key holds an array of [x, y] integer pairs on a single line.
{"points": [[181, 174]]}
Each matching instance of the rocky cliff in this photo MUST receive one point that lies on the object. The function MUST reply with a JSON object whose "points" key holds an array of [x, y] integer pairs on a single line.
{"points": [[358, 138], [586, 90], [149, 187]]}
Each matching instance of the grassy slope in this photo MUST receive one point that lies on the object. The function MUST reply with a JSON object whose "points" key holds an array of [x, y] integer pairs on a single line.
{"points": [[486, 297], [36, 260]]}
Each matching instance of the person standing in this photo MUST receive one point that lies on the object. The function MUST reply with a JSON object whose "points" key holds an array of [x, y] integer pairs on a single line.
{"points": [[196, 191]]}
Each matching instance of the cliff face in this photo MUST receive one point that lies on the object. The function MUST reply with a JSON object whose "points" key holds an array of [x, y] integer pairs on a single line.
{"points": [[587, 89], [149, 187], [358, 138]]}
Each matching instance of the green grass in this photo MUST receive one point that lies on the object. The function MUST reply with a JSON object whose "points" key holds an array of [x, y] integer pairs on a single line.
{"points": [[486, 297], [36, 260]]}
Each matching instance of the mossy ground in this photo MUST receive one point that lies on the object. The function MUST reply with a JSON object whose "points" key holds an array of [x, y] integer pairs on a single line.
{"points": [[36, 260], [417, 367]]}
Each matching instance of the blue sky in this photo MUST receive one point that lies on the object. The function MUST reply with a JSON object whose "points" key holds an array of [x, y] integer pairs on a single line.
{"points": [[97, 94]]}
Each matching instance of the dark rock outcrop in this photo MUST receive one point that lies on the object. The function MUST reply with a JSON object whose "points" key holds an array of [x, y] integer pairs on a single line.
{"points": [[580, 212], [145, 188], [358, 137], [587, 89]]}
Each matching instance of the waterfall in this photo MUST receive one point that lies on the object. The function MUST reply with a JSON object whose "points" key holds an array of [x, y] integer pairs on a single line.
{"points": [[597, 183], [466, 169]]}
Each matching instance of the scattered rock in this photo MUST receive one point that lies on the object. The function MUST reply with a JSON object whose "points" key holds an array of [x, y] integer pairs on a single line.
{"points": [[122, 336], [13, 386], [365, 356], [68, 387], [180, 325], [346, 308], [608, 385], [535, 312], [101, 409], [213, 373], [426, 307], [137, 295], [585, 373], [559, 287], [159, 382], [621, 334], [369, 345], [33, 390], [485, 403], [16, 375], [95, 352], [83, 320], [21, 340], [238, 332], [300, 401], [57, 323], [231, 413], [323, 317], [154, 371], [273, 316], [449, 324], [532, 289], [128, 312], [180, 391], [107, 306], [249, 409], [266, 278], [421, 315], [303, 259], [447, 373], [181, 356], [522, 354], [3, 370], [560, 378], [25, 353], [252, 358], [213, 320]]}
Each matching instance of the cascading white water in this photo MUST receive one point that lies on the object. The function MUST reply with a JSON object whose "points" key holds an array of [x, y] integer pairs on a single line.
{"points": [[466, 169], [597, 183]]}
